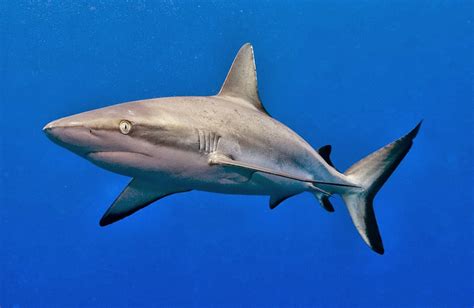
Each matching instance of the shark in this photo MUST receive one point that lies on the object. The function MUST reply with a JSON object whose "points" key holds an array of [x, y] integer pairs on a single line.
{"points": [[224, 143]]}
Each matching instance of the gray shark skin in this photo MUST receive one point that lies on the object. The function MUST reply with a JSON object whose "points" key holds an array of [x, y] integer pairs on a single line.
{"points": [[225, 143]]}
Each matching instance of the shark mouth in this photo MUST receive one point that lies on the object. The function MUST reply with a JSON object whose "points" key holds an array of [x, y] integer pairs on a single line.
{"points": [[112, 154]]}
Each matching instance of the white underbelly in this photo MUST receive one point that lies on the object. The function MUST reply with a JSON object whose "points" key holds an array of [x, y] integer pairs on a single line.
{"points": [[191, 170], [196, 173]]}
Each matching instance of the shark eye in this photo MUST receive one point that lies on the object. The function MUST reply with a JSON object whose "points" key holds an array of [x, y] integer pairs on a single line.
{"points": [[125, 127]]}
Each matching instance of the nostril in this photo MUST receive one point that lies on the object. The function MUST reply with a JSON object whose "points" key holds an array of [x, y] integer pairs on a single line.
{"points": [[93, 132]]}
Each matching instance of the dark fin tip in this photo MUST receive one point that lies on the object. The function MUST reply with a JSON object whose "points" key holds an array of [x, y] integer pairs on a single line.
{"points": [[325, 152], [415, 131], [326, 148], [277, 201], [327, 205], [378, 248], [104, 222]]}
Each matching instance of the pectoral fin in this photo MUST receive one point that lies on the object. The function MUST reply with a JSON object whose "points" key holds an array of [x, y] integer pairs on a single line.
{"points": [[137, 195], [227, 161], [218, 159]]}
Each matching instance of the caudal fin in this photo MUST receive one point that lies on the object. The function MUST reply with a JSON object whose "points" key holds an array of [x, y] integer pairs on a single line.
{"points": [[370, 174]]}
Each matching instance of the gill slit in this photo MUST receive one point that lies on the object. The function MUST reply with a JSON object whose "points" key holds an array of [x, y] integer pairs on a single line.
{"points": [[208, 142]]}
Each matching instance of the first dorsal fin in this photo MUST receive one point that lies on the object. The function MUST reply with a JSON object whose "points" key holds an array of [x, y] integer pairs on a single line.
{"points": [[241, 80]]}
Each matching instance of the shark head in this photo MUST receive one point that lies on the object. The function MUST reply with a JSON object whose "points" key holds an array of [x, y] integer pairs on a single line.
{"points": [[117, 138]]}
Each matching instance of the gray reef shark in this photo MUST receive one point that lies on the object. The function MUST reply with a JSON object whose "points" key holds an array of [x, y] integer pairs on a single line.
{"points": [[226, 143]]}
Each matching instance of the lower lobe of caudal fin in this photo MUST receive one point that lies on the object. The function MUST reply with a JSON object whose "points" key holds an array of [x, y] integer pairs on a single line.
{"points": [[371, 173]]}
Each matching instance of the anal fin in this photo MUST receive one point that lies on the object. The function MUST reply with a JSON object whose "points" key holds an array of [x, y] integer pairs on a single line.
{"points": [[137, 195], [324, 201], [327, 205]]}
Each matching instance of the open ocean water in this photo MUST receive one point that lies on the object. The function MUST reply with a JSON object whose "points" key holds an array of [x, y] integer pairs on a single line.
{"points": [[353, 74]]}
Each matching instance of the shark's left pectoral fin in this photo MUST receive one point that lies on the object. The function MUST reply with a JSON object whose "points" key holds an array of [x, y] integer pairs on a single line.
{"points": [[137, 195], [223, 160]]}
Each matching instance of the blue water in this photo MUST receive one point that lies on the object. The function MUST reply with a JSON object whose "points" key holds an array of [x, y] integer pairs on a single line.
{"points": [[354, 74]]}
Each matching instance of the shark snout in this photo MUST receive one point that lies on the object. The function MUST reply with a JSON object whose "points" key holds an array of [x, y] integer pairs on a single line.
{"points": [[72, 135], [56, 130], [51, 130]]}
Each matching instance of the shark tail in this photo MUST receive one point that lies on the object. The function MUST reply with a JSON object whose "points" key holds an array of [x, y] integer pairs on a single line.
{"points": [[370, 173]]}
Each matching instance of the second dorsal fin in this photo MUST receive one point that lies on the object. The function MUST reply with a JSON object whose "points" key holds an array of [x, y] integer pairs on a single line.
{"points": [[241, 80], [325, 153]]}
